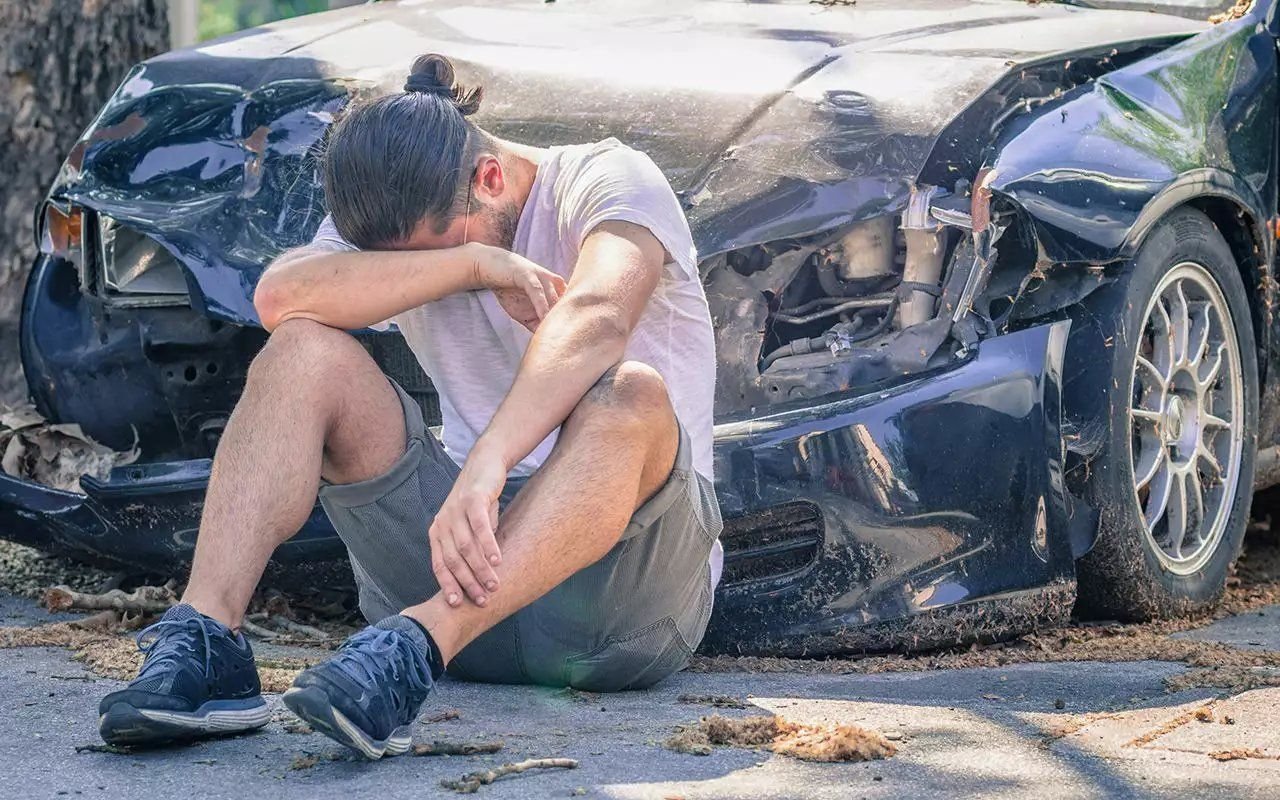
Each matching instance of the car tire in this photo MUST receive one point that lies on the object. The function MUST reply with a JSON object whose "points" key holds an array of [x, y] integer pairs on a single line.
{"points": [[1140, 381]]}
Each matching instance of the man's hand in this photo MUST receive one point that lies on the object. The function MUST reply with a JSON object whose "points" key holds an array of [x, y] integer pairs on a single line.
{"points": [[464, 549], [525, 290]]}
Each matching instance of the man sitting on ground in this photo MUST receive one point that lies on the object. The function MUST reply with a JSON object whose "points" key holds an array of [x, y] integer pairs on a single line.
{"points": [[562, 530]]}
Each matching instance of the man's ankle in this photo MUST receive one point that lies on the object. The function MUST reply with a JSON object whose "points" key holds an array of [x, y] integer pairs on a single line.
{"points": [[217, 611]]}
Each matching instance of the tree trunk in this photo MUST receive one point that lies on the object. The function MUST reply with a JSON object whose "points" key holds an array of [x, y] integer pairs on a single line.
{"points": [[59, 61]]}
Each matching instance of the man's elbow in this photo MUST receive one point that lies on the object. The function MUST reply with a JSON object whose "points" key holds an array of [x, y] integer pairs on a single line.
{"points": [[269, 301]]}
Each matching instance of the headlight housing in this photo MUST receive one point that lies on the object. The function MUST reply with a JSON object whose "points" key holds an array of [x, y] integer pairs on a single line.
{"points": [[131, 263], [116, 263]]}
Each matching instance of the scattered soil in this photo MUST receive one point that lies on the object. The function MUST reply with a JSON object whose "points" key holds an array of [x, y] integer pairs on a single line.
{"points": [[1239, 753], [805, 742], [443, 747], [1170, 725], [442, 716], [714, 700], [304, 761], [290, 723], [99, 747], [27, 572], [1254, 584]]}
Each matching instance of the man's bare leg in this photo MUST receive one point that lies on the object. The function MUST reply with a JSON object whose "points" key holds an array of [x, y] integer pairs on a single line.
{"points": [[614, 451], [315, 404]]}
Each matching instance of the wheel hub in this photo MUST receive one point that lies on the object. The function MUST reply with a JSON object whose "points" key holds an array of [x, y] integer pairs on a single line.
{"points": [[1173, 420]]}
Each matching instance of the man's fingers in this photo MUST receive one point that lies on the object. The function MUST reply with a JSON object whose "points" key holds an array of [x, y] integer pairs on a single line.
{"points": [[476, 545], [537, 296], [555, 287], [489, 546], [457, 566], [448, 584]]}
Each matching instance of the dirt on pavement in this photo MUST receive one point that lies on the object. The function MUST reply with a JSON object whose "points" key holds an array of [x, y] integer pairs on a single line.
{"points": [[805, 742]]}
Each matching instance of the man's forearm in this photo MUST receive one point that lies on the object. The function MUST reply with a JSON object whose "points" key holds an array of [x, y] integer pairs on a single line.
{"points": [[577, 343], [352, 290]]}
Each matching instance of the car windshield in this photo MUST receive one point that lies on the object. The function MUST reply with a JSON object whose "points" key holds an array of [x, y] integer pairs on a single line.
{"points": [[1196, 9]]}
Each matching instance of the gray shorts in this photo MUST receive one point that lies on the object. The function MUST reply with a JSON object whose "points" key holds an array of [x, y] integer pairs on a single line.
{"points": [[624, 622]]}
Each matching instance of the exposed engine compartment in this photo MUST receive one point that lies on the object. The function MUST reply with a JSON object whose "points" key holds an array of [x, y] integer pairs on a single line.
{"points": [[871, 302]]}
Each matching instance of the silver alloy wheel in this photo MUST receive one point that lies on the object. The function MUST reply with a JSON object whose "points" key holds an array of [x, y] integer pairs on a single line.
{"points": [[1186, 418]]}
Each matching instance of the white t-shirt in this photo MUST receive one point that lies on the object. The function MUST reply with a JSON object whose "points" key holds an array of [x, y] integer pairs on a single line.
{"points": [[471, 349]]}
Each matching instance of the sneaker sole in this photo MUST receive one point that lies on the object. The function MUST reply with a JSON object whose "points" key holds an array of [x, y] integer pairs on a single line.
{"points": [[313, 707], [124, 724]]}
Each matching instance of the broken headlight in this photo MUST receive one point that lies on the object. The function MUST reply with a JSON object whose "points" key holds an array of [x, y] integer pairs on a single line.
{"points": [[134, 266], [60, 232]]}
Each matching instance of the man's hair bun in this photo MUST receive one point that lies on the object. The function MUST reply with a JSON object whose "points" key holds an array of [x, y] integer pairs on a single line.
{"points": [[433, 74]]}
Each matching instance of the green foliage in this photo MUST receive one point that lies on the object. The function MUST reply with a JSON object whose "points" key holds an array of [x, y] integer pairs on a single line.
{"points": [[220, 17]]}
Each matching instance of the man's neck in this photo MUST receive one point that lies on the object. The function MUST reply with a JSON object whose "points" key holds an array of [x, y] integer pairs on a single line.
{"points": [[521, 162]]}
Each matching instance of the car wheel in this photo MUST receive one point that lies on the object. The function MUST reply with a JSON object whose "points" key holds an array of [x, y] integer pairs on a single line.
{"points": [[1162, 366]]}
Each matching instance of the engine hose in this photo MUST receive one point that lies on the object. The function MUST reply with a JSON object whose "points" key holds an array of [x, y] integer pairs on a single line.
{"points": [[874, 301], [797, 347]]}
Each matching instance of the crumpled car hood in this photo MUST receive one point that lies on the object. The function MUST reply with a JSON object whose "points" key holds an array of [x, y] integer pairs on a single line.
{"points": [[770, 119]]}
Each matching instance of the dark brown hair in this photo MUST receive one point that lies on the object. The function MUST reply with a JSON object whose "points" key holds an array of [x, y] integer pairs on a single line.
{"points": [[402, 158]]}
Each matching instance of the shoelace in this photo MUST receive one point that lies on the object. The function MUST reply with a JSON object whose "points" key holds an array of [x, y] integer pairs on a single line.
{"points": [[363, 658], [168, 646]]}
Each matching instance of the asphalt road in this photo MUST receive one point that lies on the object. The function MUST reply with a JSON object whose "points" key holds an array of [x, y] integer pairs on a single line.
{"points": [[991, 733]]}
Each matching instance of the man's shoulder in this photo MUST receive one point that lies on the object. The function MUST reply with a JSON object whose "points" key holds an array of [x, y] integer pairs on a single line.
{"points": [[591, 159]]}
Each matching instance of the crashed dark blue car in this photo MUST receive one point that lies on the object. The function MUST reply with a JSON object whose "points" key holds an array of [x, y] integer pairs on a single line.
{"points": [[992, 285]]}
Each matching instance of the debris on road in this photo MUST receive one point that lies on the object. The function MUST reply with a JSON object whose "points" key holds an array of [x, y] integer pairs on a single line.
{"points": [[27, 572], [55, 455], [1240, 753], [443, 747], [715, 700], [442, 716], [142, 600], [805, 742], [472, 781], [98, 747], [304, 761]]}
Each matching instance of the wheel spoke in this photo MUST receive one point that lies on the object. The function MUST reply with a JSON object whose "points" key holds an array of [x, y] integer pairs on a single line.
{"points": [[1162, 343], [1200, 335], [1195, 503], [1158, 497], [1154, 456], [1206, 455], [1148, 416], [1176, 521], [1206, 377], [1209, 420], [1160, 378], [1181, 324]]}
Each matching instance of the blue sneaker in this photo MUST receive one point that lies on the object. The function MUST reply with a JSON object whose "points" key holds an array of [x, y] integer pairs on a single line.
{"points": [[369, 693], [198, 680]]}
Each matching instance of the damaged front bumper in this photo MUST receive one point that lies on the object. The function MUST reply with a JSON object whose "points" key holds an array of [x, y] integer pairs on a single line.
{"points": [[850, 524], [923, 515]]}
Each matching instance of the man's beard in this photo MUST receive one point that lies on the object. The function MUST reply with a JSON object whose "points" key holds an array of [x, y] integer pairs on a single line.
{"points": [[503, 221]]}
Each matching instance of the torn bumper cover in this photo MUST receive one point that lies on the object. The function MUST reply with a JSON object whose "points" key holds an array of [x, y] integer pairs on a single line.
{"points": [[841, 516], [851, 524]]}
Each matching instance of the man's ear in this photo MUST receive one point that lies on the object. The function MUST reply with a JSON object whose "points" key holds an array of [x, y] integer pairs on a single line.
{"points": [[490, 179]]}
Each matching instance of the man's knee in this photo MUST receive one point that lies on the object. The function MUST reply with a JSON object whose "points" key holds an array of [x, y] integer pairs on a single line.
{"points": [[300, 349], [629, 392]]}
